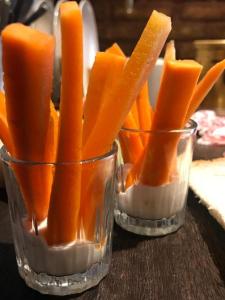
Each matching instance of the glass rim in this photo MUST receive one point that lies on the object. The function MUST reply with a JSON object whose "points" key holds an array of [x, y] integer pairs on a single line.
{"points": [[189, 129], [7, 158]]}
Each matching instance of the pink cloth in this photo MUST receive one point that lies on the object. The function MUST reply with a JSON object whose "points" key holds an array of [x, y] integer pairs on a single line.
{"points": [[211, 127]]}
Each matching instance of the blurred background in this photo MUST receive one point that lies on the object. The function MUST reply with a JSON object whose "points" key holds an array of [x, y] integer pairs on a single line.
{"points": [[123, 21]]}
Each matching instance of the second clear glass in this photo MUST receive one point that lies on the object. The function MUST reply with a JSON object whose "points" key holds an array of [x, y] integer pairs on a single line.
{"points": [[153, 179]]}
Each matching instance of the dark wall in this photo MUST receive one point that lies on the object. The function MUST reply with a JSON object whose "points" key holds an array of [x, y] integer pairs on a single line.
{"points": [[191, 20]]}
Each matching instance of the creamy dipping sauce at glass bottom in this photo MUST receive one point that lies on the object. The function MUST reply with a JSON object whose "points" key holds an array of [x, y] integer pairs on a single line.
{"points": [[75, 257], [153, 203]]}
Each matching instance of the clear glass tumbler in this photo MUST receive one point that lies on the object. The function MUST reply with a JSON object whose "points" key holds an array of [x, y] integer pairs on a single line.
{"points": [[45, 264], [153, 179]]}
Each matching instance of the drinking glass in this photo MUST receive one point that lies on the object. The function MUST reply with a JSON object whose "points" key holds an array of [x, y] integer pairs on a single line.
{"points": [[153, 179], [65, 268]]}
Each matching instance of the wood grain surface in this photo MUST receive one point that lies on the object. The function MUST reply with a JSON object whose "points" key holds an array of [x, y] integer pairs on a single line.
{"points": [[189, 264]]}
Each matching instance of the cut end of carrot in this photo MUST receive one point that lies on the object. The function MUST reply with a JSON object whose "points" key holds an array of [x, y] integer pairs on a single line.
{"points": [[67, 6], [170, 53], [18, 34], [186, 63], [159, 19]]}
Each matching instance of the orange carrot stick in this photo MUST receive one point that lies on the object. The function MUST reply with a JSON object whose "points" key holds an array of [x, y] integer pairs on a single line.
{"points": [[141, 109], [131, 144], [170, 53], [204, 86], [4, 129], [50, 150], [134, 173], [145, 116], [94, 102], [120, 99], [97, 173], [52, 135], [106, 69], [145, 111], [65, 197], [28, 65], [171, 108]]}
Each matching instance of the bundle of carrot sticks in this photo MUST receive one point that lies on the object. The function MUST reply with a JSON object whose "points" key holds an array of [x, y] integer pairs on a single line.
{"points": [[117, 95], [180, 94]]}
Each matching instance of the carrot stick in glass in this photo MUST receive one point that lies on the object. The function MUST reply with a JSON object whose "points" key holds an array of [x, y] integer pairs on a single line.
{"points": [[65, 197], [131, 144], [177, 86], [112, 65], [52, 135], [120, 99], [28, 67]]}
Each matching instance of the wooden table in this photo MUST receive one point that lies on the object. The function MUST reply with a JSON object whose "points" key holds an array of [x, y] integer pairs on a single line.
{"points": [[189, 264]]}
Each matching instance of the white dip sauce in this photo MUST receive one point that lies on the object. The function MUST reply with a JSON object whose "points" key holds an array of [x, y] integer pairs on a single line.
{"points": [[153, 202], [75, 257]]}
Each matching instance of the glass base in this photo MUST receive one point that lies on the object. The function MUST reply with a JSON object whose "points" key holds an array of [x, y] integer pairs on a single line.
{"points": [[63, 285], [150, 227]]}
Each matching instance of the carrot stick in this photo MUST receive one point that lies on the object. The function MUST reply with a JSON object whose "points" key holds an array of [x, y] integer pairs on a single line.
{"points": [[120, 99], [171, 108], [52, 135], [204, 86], [131, 144], [43, 171], [106, 69], [114, 65], [145, 111], [141, 109], [170, 53], [145, 116], [51, 143], [134, 173], [4, 129], [98, 174], [28, 65], [65, 197]]}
